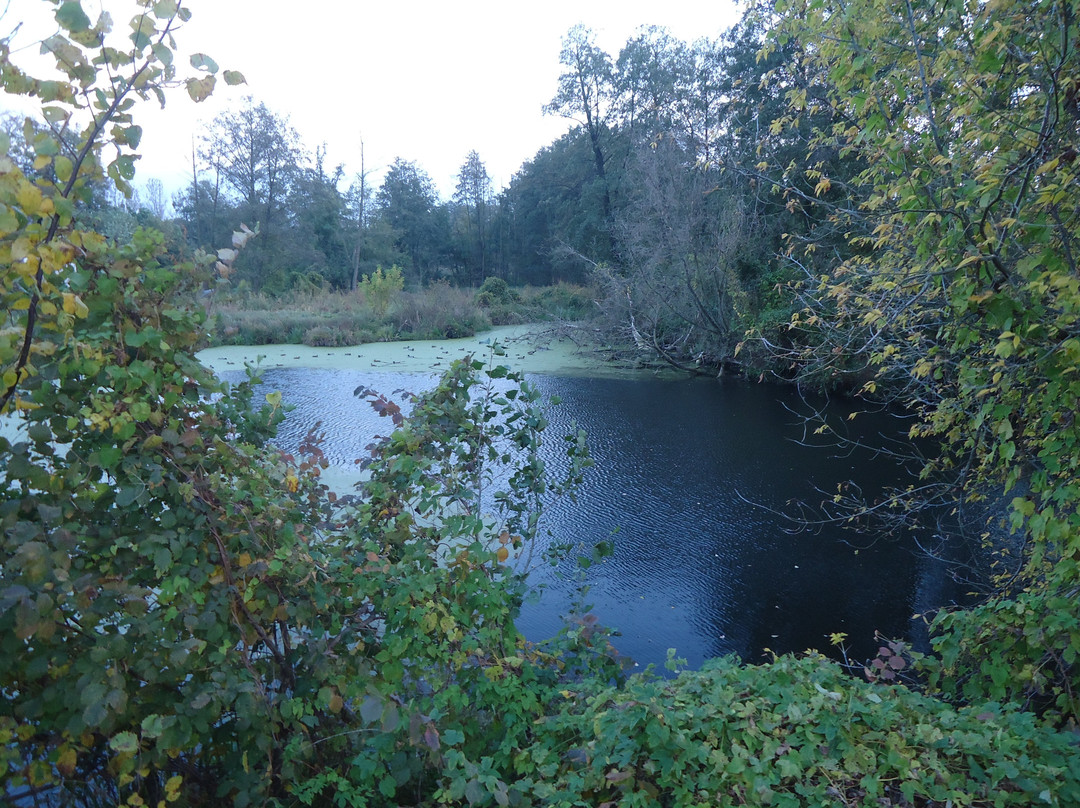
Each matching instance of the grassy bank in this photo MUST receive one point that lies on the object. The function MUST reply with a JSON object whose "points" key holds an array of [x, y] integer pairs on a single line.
{"points": [[335, 319]]}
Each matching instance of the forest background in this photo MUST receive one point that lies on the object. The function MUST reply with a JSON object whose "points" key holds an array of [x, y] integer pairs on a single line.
{"points": [[874, 197]]}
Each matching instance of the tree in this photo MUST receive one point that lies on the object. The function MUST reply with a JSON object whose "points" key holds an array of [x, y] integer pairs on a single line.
{"points": [[551, 215], [473, 195], [316, 242], [256, 151], [586, 90], [359, 202], [650, 69], [155, 198], [255, 154], [408, 202], [680, 295], [961, 288]]}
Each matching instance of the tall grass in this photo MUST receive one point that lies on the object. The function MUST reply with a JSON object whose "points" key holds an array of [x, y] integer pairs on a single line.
{"points": [[334, 319], [439, 311]]}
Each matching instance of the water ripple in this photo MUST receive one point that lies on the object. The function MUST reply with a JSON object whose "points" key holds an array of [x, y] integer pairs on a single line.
{"points": [[695, 566]]}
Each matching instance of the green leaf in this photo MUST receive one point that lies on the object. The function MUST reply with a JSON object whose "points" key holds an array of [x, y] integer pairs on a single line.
{"points": [[142, 31], [200, 61], [133, 136], [124, 742], [371, 710], [94, 714], [72, 18], [152, 726], [64, 168], [234, 77], [127, 495], [162, 52]]}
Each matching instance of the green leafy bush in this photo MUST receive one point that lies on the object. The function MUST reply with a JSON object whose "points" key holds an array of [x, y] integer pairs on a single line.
{"points": [[1022, 650], [381, 288], [563, 301], [496, 292], [794, 732]]}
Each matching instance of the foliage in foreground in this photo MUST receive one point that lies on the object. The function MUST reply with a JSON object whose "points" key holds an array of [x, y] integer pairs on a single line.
{"points": [[232, 636], [188, 616], [958, 289], [791, 733]]}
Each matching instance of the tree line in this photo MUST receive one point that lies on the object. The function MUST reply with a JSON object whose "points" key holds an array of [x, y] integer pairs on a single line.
{"points": [[650, 196]]}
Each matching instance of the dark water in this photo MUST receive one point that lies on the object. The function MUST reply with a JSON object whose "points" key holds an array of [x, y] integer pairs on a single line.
{"points": [[696, 566]]}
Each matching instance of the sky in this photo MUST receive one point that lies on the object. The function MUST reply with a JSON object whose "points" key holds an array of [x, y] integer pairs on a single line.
{"points": [[424, 81]]}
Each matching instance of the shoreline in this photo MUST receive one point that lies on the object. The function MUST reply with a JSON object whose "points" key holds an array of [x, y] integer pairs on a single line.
{"points": [[530, 348]]}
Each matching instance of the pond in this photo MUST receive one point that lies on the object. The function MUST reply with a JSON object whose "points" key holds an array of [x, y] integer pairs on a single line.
{"points": [[692, 479]]}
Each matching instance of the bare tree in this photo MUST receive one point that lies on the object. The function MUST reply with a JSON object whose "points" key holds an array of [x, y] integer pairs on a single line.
{"points": [[680, 296], [154, 197]]}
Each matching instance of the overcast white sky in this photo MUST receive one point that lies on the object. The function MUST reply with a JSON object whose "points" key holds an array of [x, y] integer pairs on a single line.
{"points": [[426, 81]]}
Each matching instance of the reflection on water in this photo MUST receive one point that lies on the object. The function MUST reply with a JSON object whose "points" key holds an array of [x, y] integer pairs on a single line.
{"points": [[695, 567]]}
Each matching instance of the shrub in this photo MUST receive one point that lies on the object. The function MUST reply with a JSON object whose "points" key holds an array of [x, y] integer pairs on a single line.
{"points": [[329, 337], [791, 733], [438, 311], [381, 288], [496, 292], [562, 301]]}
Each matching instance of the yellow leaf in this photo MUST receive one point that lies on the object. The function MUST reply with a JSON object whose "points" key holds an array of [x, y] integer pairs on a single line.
{"points": [[73, 305], [29, 199], [65, 764], [1049, 165], [21, 248]]}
